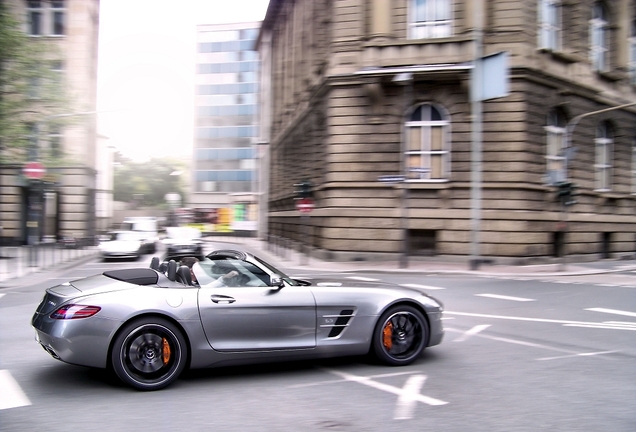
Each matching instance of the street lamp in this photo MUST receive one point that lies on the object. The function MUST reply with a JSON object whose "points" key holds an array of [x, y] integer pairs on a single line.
{"points": [[405, 79]]}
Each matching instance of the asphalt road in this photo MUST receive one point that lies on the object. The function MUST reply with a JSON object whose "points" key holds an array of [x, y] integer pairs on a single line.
{"points": [[519, 355]]}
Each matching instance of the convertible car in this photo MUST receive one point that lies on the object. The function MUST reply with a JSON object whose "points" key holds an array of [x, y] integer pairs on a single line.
{"points": [[149, 324]]}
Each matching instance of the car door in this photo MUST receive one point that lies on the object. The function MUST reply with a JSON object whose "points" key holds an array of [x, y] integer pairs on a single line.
{"points": [[248, 318]]}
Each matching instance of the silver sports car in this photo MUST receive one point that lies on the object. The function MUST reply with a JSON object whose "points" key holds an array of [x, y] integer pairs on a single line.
{"points": [[149, 324]]}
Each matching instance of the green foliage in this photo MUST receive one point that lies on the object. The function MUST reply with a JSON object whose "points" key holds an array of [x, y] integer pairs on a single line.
{"points": [[147, 183], [31, 91]]}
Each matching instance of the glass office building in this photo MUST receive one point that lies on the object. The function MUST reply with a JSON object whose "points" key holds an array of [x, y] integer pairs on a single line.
{"points": [[226, 114]]}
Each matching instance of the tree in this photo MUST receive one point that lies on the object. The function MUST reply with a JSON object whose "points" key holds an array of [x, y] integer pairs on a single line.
{"points": [[146, 183], [32, 92]]}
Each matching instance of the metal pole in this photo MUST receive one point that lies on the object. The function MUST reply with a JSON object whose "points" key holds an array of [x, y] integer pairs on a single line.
{"points": [[476, 135]]}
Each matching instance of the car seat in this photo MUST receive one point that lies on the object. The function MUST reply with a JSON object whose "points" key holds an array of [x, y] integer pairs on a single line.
{"points": [[172, 270], [154, 263], [184, 276]]}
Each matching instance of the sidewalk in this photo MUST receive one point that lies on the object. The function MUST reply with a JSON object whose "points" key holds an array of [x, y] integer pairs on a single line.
{"points": [[292, 259], [16, 262]]}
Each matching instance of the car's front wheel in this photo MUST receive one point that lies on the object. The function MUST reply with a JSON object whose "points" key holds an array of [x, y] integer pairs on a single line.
{"points": [[149, 353], [400, 335]]}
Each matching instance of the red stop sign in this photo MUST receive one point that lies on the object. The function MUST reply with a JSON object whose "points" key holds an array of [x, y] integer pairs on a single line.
{"points": [[34, 170]]}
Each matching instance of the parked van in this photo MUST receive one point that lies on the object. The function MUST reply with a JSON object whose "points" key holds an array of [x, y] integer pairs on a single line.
{"points": [[148, 227]]}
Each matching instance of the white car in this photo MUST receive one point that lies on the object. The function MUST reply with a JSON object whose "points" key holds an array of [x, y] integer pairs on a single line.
{"points": [[182, 242], [123, 244]]}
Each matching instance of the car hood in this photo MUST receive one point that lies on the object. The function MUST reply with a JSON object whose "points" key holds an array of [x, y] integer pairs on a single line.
{"points": [[120, 245]]}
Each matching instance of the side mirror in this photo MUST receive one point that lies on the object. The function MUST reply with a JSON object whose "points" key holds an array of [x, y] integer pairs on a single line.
{"points": [[277, 281]]}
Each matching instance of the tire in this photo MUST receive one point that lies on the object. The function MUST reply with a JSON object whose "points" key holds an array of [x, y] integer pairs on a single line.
{"points": [[137, 356], [400, 335]]}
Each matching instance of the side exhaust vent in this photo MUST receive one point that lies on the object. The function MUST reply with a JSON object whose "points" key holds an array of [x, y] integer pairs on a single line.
{"points": [[338, 322]]}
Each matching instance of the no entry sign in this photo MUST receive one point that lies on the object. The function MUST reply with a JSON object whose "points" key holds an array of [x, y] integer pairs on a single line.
{"points": [[34, 170], [305, 205]]}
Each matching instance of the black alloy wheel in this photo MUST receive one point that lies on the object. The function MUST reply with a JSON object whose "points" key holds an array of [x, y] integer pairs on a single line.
{"points": [[400, 335], [149, 353]]}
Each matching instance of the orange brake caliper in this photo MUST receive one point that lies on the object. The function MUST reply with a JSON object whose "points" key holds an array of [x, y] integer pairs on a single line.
{"points": [[387, 336], [165, 351]]}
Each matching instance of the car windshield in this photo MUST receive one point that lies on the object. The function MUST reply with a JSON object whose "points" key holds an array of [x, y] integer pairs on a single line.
{"points": [[210, 270], [126, 236], [183, 233]]}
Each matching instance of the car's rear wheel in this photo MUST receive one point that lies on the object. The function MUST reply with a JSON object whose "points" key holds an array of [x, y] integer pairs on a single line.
{"points": [[149, 353], [400, 335]]}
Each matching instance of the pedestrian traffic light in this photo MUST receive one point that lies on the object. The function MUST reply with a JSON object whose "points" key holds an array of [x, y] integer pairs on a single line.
{"points": [[566, 192], [304, 189]]}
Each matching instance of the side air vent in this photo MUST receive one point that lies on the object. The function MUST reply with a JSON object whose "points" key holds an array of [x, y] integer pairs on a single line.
{"points": [[337, 323]]}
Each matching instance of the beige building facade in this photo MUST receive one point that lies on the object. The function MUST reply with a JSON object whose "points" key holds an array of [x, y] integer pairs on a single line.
{"points": [[336, 111], [72, 198]]}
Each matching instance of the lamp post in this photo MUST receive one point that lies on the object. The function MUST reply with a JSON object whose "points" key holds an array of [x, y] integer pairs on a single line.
{"points": [[405, 79]]}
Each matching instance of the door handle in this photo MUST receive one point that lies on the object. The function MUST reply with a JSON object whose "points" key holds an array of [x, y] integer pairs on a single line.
{"points": [[218, 298]]}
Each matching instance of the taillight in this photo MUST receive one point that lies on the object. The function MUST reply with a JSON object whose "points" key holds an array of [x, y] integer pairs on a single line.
{"points": [[74, 311]]}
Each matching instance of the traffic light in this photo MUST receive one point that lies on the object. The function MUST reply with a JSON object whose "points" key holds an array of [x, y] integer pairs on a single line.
{"points": [[566, 192], [304, 189]]}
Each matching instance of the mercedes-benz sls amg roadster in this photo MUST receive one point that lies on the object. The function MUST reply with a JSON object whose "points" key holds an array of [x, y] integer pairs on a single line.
{"points": [[149, 324]]}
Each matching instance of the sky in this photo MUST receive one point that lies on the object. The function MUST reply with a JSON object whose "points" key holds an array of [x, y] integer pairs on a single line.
{"points": [[145, 79]]}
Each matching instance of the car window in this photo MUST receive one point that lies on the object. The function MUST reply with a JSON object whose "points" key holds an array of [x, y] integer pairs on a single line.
{"points": [[248, 275]]}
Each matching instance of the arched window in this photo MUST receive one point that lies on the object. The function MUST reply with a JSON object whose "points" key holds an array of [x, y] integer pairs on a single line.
{"points": [[599, 35], [550, 25], [427, 155], [603, 143], [556, 168], [430, 19]]}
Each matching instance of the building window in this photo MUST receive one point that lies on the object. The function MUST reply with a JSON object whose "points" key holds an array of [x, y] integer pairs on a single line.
{"points": [[555, 147], [34, 15], [550, 25], [430, 19], [427, 155], [634, 167], [603, 168], [46, 17], [599, 38], [57, 17], [55, 141], [632, 53], [32, 138]]}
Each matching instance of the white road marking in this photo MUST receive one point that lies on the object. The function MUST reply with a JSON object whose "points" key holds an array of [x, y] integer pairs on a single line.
{"points": [[602, 326], [1, 295], [346, 380], [472, 331], [517, 342], [387, 388], [365, 279], [613, 311], [406, 401], [577, 355], [551, 321], [424, 287], [503, 297], [11, 395]]}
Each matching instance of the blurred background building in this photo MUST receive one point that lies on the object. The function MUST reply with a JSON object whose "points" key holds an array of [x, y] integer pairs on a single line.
{"points": [[356, 90], [50, 188], [224, 183]]}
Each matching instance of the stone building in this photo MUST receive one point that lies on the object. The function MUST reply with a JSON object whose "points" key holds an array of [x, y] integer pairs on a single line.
{"points": [[65, 200], [335, 111]]}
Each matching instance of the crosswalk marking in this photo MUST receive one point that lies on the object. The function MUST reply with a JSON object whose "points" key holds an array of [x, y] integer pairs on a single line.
{"points": [[11, 395], [503, 297], [613, 311]]}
